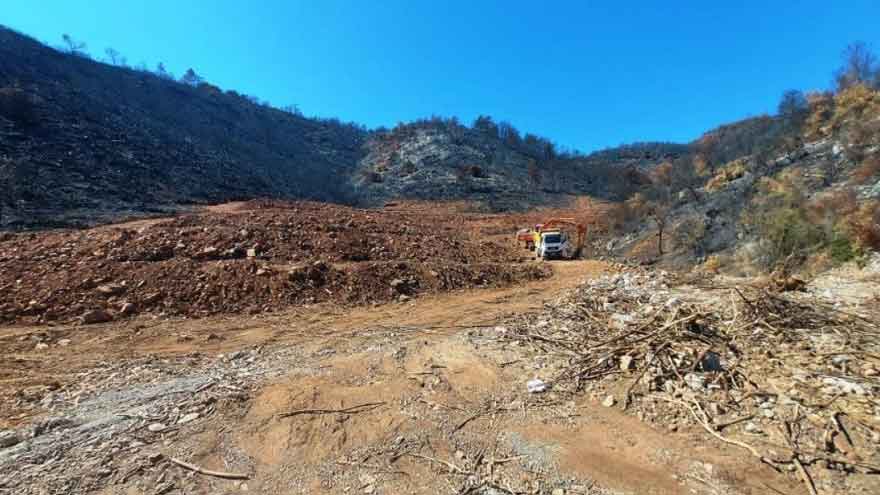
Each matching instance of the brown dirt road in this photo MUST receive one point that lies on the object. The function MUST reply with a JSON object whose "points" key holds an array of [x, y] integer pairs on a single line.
{"points": [[427, 364], [75, 347]]}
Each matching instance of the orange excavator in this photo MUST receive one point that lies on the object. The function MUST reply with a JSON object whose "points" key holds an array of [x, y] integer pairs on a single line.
{"points": [[551, 240]]}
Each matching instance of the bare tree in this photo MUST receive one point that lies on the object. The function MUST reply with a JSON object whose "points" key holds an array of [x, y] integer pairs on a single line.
{"points": [[659, 195], [534, 173], [162, 72], [508, 133], [72, 46], [292, 109], [860, 66], [685, 177], [114, 57], [191, 78], [793, 106], [485, 124], [549, 150], [659, 212]]}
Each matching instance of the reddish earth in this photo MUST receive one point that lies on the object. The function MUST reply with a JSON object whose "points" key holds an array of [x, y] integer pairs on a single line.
{"points": [[421, 358], [250, 257]]}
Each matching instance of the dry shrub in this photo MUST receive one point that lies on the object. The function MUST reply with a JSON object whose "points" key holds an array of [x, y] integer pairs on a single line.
{"points": [[829, 208], [819, 262], [867, 171], [779, 216], [865, 225], [209, 88], [371, 176], [690, 234], [618, 216], [712, 264], [408, 168], [729, 172], [821, 111], [18, 106], [701, 165], [855, 107], [468, 171]]}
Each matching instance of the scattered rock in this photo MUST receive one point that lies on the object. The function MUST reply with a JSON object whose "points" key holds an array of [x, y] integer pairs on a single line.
{"points": [[46, 425], [695, 381], [188, 418], [626, 363], [609, 401], [840, 385], [711, 361], [41, 346], [398, 285], [8, 438], [156, 427], [96, 316], [619, 320], [127, 309], [111, 289]]}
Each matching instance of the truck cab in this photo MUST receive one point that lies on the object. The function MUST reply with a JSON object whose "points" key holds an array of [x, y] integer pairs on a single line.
{"points": [[552, 244]]}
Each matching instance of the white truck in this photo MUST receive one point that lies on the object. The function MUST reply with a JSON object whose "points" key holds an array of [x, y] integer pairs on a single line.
{"points": [[552, 245]]}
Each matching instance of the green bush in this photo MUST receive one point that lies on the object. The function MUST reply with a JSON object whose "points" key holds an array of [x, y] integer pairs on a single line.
{"points": [[788, 233], [841, 249]]}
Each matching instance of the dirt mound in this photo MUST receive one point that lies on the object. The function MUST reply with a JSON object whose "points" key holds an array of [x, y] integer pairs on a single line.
{"points": [[262, 256]]}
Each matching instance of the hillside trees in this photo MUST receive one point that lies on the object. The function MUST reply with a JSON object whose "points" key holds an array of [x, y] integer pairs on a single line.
{"points": [[659, 194], [190, 78], [485, 124], [860, 67], [73, 46], [114, 57], [793, 109], [162, 72]]}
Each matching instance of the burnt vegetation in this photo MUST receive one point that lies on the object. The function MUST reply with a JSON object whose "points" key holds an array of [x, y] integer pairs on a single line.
{"points": [[80, 135], [85, 141]]}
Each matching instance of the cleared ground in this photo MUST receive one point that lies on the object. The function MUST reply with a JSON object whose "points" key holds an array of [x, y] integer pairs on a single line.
{"points": [[439, 405]]}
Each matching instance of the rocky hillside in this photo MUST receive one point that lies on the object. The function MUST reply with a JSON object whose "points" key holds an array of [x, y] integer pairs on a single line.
{"points": [[81, 140], [491, 163], [797, 191]]}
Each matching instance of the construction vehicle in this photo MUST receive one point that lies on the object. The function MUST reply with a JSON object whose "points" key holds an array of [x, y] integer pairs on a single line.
{"points": [[551, 239]]}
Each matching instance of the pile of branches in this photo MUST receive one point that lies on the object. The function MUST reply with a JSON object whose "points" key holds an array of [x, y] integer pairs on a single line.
{"points": [[794, 375]]}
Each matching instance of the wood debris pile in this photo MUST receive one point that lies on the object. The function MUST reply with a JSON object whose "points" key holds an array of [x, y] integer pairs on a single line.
{"points": [[789, 379]]}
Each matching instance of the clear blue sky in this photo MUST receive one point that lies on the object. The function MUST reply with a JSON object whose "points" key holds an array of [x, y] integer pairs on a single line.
{"points": [[584, 74]]}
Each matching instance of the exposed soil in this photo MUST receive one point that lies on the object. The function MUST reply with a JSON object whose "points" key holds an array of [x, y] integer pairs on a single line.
{"points": [[251, 258], [417, 358], [102, 408]]}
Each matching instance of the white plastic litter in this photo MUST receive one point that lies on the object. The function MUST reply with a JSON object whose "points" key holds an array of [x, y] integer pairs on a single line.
{"points": [[536, 386]]}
